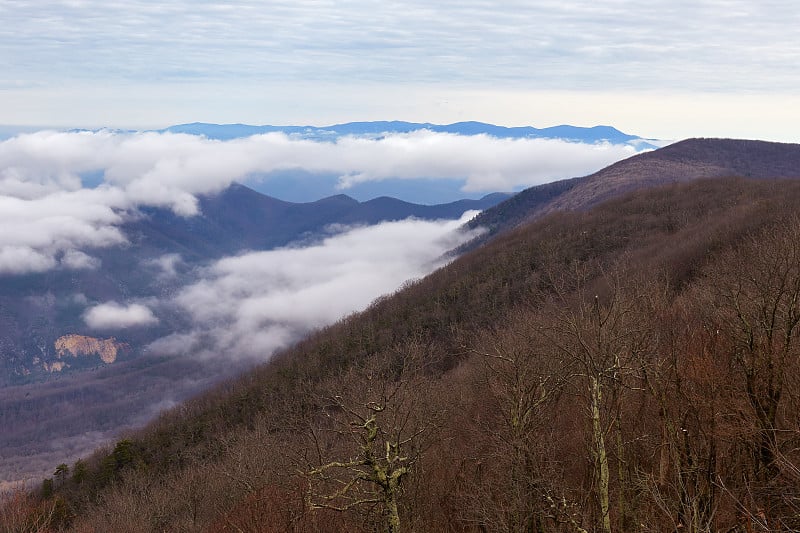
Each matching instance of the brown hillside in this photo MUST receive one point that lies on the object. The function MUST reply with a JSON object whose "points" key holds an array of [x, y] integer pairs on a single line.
{"points": [[586, 372], [683, 161]]}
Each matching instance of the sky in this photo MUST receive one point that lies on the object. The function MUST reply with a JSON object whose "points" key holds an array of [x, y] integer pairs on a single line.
{"points": [[666, 69]]}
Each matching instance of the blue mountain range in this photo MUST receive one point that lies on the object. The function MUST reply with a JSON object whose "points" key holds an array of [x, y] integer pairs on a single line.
{"points": [[377, 128]]}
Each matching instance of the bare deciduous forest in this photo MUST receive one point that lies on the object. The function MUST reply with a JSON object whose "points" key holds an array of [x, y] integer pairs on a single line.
{"points": [[630, 368]]}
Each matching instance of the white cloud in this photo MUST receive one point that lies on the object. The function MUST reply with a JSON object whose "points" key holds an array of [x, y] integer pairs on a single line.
{"points": [[169, 169], [112, 315], [45, 211], [486, 163], [138, 169], [252, 304], [23, 259], [33, 232]]}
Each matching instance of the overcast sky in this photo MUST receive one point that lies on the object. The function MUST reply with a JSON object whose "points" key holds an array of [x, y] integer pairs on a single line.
{"points": [[664, 68]]}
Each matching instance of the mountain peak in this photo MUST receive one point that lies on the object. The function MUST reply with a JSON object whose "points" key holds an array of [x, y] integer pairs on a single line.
{"points": [[337, 198]]}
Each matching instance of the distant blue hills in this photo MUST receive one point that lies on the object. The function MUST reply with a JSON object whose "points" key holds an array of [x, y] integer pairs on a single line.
{"points": [[376, 128]]}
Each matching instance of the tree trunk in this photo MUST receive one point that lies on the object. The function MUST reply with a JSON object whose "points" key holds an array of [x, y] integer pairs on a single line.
{"points": [[392, 514], [600, 453]]}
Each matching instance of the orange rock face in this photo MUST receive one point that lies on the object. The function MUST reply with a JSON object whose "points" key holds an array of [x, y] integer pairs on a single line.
{"points": [[80, 345]]}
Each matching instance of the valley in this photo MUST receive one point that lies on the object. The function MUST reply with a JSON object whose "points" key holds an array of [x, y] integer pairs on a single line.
{"points": [[622, 364], [73, 373]]}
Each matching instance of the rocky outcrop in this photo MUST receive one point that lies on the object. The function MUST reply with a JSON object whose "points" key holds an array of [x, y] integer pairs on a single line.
{"points": [[82, 346]]}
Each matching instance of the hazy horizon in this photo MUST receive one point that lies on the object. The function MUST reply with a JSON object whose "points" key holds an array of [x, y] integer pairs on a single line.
{"points": [[666, 69]]}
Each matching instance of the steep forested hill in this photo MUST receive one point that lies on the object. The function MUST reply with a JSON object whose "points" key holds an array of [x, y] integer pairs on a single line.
{"points": [[680, 162], [632, 367], [613, 366]]}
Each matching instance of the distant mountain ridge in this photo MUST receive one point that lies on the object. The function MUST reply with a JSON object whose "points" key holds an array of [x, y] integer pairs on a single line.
{"points": [[298, 183], [592, 134], [240, 218]]}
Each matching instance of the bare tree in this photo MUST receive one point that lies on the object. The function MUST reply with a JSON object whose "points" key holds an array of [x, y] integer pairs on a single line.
{"points": [[756, 292], [602, 335], [377, 423], [685, 377], [21, 513], [754, 306], [517, 384]]}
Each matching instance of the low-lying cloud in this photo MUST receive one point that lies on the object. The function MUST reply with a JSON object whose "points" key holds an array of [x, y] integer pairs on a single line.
{"points": [[252, 304], [37, 234], [485, 163], [49, 216], [114, 316], [168, 169]]}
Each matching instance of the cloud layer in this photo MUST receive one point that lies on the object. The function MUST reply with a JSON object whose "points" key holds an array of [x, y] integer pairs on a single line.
{"points": [[167, 169], [664, 68], [250, 305], [663, 43], [48, 218], [36, 234]]}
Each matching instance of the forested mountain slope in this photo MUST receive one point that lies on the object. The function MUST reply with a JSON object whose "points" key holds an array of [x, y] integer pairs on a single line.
{"points": [[632, 367], [679, 162]]}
